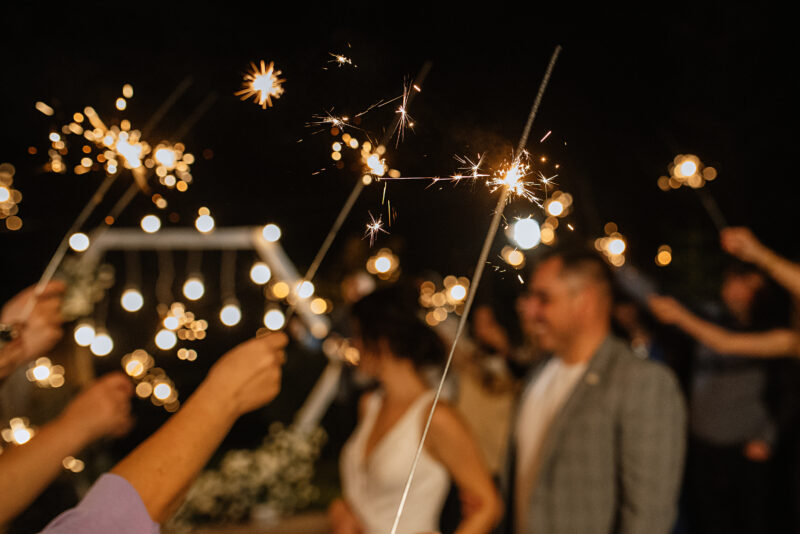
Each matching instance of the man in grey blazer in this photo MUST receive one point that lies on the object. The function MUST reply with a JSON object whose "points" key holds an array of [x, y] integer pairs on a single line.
{"points": [[598, 440]]}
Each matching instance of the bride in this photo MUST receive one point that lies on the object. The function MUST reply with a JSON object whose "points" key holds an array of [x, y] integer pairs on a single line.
{"points": [[377, 457]]}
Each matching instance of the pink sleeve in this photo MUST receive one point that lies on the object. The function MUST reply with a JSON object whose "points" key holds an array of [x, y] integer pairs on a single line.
{"points": [[112, 505]]}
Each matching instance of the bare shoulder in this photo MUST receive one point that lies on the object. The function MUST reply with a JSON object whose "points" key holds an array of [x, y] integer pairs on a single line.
{"points": [[363, 403], [446, 420]]}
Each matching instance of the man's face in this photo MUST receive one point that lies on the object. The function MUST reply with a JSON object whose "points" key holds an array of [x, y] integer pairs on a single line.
{"points": [[550, 307]]}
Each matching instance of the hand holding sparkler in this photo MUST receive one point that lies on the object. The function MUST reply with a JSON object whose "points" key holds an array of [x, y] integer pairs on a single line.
{"points": [[742, 243], [34, 334]]}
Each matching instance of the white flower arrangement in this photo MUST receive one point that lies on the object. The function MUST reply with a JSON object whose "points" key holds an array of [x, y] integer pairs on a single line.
{"points": [[275, 477]]}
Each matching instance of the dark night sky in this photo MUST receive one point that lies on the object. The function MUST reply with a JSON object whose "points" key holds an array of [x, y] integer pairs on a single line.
{"points": [[630, 91]]}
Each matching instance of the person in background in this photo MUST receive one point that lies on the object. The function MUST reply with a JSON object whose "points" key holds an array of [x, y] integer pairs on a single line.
{"points": [[394, 344], [146, 486], [599, 436]]}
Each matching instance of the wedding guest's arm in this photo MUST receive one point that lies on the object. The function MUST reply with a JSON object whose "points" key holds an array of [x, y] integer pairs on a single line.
{"points": [[103, 409], [451, 442], [36, 334], [146, 486], [741, 242], [769, 344]]}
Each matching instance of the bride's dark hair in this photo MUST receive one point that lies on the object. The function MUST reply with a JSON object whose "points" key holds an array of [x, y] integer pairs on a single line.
{"points": [[391, 313]]}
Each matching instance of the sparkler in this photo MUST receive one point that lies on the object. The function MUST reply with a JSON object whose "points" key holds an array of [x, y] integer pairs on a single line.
{"points": [[340, 59], [373, 228], [477, 277], [354, 194], [262, 84]]}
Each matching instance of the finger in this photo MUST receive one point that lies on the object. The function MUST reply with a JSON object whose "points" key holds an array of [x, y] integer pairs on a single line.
{"points": [[55, 288], [274, 341]]}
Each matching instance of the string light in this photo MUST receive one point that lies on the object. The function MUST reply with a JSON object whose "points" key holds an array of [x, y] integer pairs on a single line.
{"points": [[274, 319], [194, 289], [84, 334], [260, 273], [271, 233], [102, 344], [79, 242], [230, 314], [132, 300]]}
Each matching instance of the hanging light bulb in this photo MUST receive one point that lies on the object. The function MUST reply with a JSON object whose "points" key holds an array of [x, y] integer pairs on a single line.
{"points": [[274, 319], [260, 273], [132, 300], [194, 289], [84, 334], [271, 233], [166, 339], [102, 344], [230, 314]]}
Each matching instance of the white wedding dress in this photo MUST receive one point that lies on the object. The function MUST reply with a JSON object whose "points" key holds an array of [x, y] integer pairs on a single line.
{"points": [[374, 486]]}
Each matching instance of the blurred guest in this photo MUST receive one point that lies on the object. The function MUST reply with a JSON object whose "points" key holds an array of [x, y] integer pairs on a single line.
{"points": [[599, 435], [103, 409], [741, 242], [23, 339], [739, 406], [144, 488], [394, 344]]}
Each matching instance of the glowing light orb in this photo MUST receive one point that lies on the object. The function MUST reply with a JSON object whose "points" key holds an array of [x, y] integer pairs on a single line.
{"points": [[5, 194], [687, 168], [616, 246], [171, 323], [305, 289], [204, 223], [41, 372], [555, 208], [274, 319], [162, 391], [260, 273], [527, 233], [166, 339], [193, 289], [319, 306], [132, 300], [383, 264], [79, 242], [150, 224], [458, 292], [515, 258], [102, 344], [271, 233], [84, 334], [230, 315], [166, 157]]}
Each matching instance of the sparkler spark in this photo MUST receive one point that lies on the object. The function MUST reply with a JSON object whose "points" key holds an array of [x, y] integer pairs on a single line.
{"points": [[374, 227], [512, 177], [340, 59], [262, 84], [404, 119]]}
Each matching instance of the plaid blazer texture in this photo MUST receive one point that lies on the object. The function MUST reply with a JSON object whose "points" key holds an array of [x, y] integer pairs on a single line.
{"points": [[612, 461]]}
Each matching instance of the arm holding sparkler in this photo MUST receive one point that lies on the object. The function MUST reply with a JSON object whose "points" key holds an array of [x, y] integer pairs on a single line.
{"points": [[146, 486], [103, 409], [769, 344], [740, 242], [28, 338]]}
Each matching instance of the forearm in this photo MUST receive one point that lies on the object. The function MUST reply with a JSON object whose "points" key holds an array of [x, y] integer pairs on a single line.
{"points": [[783, 271], [770, 344], [163, 466], [26, 470], [482, 520]]}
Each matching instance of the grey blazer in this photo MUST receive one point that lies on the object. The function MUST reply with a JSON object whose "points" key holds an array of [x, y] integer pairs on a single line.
{"points": [[613, 459]]}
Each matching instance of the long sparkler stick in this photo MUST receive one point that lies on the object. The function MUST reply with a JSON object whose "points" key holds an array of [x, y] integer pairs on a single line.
{"points": [[712, 208], [58, 256], [356, 192], [473, 287]]}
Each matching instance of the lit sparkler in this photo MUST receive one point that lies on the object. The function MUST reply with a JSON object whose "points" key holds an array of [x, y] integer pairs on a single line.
{"points": [[512, 178], [262, 84], [374, 227], [340, 59]]}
